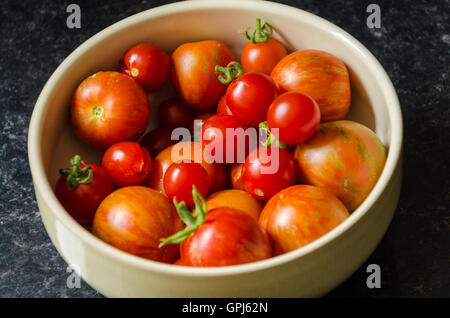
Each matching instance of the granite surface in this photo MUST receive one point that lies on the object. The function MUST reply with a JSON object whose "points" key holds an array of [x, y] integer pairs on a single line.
{"points": [[413, 44]]}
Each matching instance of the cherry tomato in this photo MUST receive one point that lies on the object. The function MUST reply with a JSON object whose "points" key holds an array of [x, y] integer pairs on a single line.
{"points": [[235, 199], [344, 157], [262, 57], [134, 219], [157, 140], [181, 177], [173, 113], [127, 163], [295, 115], [81, 189], [193, 72], [268, 170], [216, 133], [320, 75], [186, 150], [224, 236], [148, 65], [249, 96], [300, 214], [109, 107], [222, 107]]}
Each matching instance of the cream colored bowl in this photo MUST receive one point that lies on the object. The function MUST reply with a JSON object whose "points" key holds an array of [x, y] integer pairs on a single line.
{"points": [[310, 271]]}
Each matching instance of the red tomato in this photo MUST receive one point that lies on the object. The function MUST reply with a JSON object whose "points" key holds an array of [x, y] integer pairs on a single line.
{"points": [[148, 65], [262, 52], [109, 107], [265, 172], [134, 219], [249, 96], [186, 150], [157, 140], [216, 133], [262, 57], [300, 214], [181, 177], [295, 115], [223, 237], [344, 157], [81, 189], [173, 113], [193, 73], [127, 163], [222, 107], [320, 75]]}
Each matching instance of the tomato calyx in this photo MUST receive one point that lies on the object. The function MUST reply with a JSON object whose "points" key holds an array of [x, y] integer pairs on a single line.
{"points": [[192, 222], [97, 111], [260, 34], [271, 139], [76, 175], [231, 71]]}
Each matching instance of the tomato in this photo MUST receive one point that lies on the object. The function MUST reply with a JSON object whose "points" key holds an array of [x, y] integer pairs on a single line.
{"points": [[236, 176], [81, 189], [295, 115], [181, 176], [235, 199], [148, 65], [193, 72], [320, 75], [127, 163], [157, 140], [173, 113], [109, 107], [222, 237], [268, 170], [222, 107], [249, 96], [134, 219], [263, 52], [186, 150], [300, 214], [225, 138], [344, 157]]}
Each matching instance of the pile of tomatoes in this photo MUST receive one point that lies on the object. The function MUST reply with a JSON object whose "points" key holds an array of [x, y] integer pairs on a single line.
{"points": [[221, 199]]}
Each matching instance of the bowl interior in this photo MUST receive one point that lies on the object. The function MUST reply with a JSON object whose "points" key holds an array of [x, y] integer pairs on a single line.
{"points": [[224, 21]]}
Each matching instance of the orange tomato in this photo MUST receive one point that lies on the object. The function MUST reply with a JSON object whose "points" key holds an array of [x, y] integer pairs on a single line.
{"points": [[190, 151], [300, 214], [236, 199], [344, 157], [193, 73], [320, 75], [263, 56], [134, 219], [109, 107]]}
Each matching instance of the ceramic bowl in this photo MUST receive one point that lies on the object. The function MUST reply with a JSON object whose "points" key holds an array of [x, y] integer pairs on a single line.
{"points": [[309, 271]]}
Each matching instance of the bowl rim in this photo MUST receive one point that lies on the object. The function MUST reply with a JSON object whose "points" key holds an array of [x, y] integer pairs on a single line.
{"points": [[45, 190]]}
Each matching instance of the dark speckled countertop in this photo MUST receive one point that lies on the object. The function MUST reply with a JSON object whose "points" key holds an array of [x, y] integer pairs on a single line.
{"points": [[413, 44]]}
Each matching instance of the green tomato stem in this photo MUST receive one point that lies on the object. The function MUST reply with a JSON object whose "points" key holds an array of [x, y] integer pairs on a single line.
{"points": [[232, 71], [271, 139], [75, 175], [260, 34], [192, 222]]}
